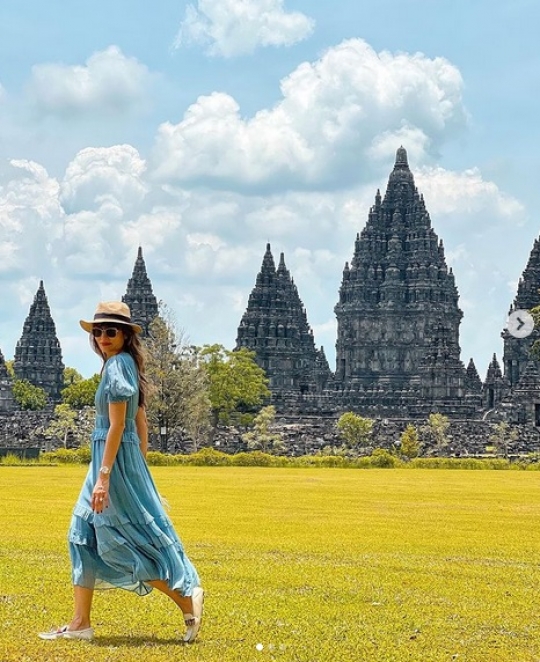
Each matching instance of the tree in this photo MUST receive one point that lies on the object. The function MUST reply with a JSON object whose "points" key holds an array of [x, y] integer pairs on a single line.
{"points": [[81, 393], [410, 443], [68, 421], [503, 435], [178, 394], [29, 396], [355, 429], [236, 382], [71, 376], [64, 422], [260, 437], [436, 430]]}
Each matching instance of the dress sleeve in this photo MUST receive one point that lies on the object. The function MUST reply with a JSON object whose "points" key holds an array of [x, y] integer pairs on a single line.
{"points": [[121, 378]]}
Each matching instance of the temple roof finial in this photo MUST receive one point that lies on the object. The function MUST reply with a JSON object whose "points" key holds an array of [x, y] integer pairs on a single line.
{"points": [[401, 158]]}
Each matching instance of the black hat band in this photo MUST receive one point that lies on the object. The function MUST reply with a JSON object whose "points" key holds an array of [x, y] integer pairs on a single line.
{"points": [[109, 316]]}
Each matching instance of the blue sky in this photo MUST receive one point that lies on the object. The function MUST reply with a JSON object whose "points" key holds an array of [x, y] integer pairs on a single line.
{"points": [[203, 130]]}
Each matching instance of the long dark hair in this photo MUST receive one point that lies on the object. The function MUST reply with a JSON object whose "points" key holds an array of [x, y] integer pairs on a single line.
{"points": [[134, 347]]}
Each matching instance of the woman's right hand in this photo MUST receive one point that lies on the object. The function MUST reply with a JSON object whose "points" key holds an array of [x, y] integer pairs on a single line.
{"points": [[100, 495]]}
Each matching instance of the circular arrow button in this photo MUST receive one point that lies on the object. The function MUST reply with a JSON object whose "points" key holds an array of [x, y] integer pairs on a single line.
{"points": [[520, 323]]}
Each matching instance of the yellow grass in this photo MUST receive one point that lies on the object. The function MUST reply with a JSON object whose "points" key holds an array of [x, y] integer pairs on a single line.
{"points": [[313, 564]]}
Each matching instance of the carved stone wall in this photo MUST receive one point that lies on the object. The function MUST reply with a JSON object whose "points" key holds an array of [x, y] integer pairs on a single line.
{"points": [[25, 429], [312, 436]]}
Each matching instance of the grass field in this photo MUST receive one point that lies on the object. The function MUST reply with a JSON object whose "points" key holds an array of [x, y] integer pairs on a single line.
{"points": [[315, 565]]}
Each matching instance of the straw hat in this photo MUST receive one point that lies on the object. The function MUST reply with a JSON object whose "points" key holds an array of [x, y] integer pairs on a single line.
{"points": [[115, 312]]}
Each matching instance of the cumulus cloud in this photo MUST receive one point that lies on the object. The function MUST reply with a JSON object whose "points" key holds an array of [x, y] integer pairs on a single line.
{"points": [[466, 192], [154, 230], [237, 27], [30, 217], [108, 83], [99, 174], [341, 111], [103, 195]]}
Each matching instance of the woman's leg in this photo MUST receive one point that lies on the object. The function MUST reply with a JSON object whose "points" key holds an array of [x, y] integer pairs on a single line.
{"points": [[184, 603], [83, 606]]}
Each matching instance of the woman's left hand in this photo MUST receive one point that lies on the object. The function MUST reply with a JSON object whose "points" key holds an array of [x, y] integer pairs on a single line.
{"points": [[100, 496]]}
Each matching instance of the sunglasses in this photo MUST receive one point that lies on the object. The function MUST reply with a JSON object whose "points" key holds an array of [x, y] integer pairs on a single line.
{"points": [[110, 332]]}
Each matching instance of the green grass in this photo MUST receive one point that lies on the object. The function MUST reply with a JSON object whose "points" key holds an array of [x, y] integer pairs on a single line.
{"points": [[314, 564]]}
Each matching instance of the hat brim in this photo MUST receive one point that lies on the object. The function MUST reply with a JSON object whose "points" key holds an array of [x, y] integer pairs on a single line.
{"points": [[88, 326]]}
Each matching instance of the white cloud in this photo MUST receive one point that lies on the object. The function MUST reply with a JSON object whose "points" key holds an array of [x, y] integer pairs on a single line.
{"points": [[30, 218], [336, 113], [106, 173], [108, 82], [237, 27], [153, 230], [201, 239], [466, 192]]}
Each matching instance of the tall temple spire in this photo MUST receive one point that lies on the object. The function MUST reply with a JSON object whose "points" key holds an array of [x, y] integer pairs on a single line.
{"points": [[38, 356], [393, 298], [139, 295], [528, 293], [275, 327], [494, 387], [516, 354], [473, 383]]}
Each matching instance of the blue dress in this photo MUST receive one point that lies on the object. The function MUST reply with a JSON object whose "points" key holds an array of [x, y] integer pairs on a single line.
{"points": [[132, 541]]}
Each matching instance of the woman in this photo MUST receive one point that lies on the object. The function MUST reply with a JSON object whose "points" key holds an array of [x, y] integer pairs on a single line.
{"points": [[120, 535]]}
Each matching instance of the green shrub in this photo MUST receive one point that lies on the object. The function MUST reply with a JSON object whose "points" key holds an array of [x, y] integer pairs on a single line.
{"points": [[85, 454], [67, 456], [259, 459], [157, 459], [472, 463], [209, 457], [383, 459], [10, 460]]}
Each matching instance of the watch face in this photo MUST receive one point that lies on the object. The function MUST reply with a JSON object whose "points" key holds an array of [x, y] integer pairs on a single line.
{"points": [[104, 470]]}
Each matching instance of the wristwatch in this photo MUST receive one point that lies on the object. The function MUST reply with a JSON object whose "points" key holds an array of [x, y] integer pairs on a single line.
{"points": [[105, 470]]}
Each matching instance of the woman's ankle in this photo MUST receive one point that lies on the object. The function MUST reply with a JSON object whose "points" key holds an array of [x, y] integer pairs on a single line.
{"points": [[78, 623]]}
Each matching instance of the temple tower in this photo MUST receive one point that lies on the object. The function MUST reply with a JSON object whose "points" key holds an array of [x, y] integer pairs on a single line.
{"points": [[495, 386], [473, 383], [398, 315], [139, 295], [516, 353], [275, 327], [38, 356]]}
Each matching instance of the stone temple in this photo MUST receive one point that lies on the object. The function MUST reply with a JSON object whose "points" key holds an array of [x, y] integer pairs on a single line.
{"points": [[398, 319], [139, 295], [38, 356], [275, 327]]}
